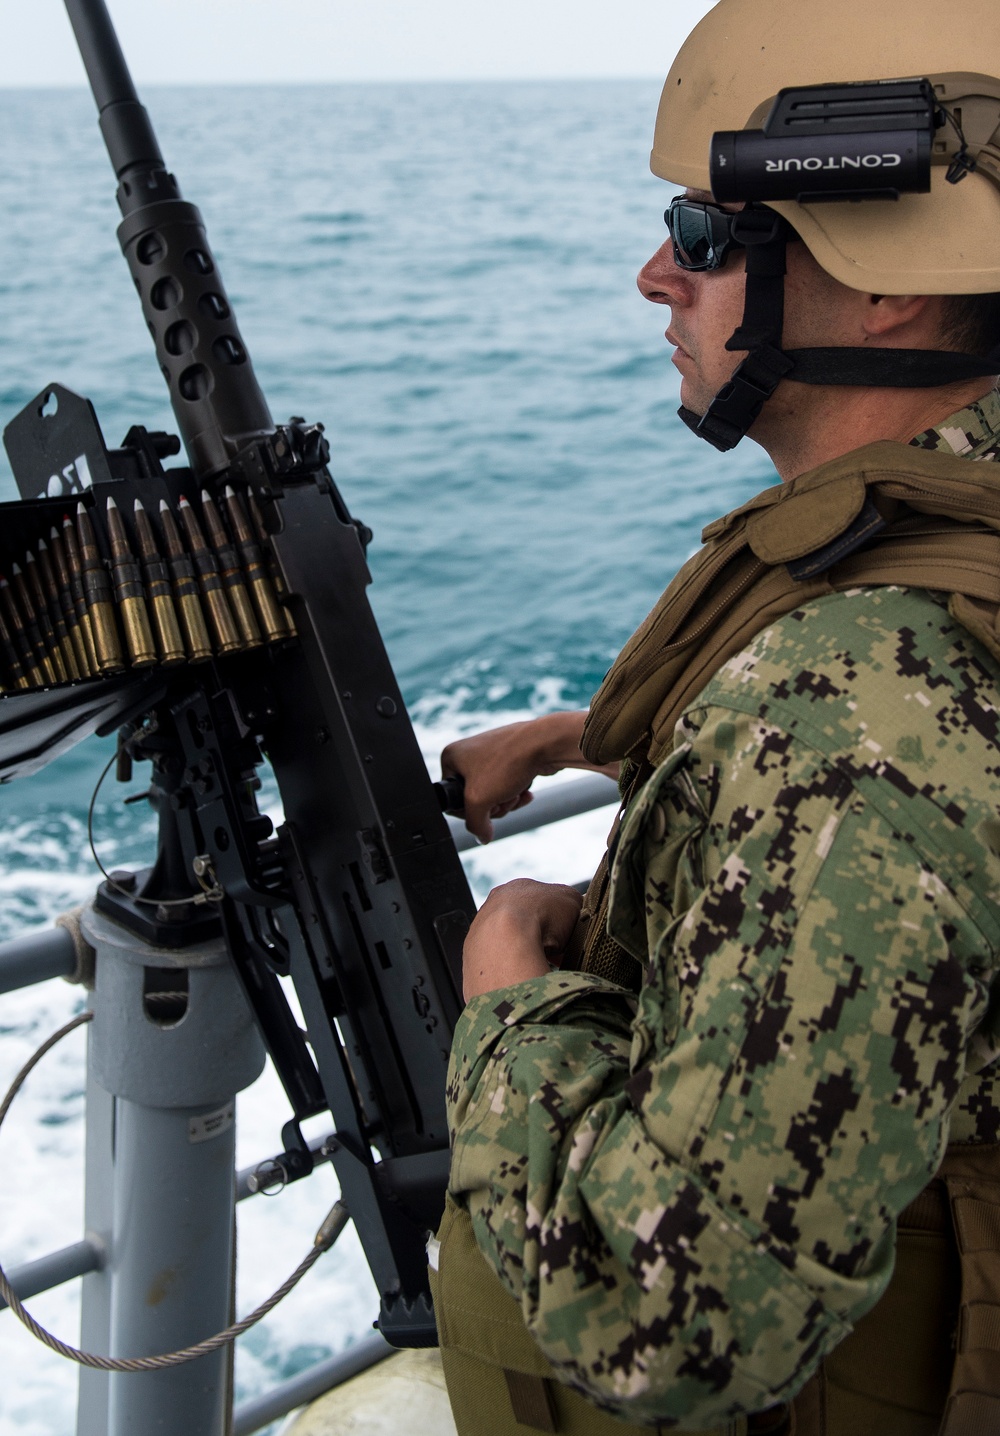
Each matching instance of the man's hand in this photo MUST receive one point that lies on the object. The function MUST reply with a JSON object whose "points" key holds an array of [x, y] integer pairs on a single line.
{"points": [[499, 766], [521, 931]]}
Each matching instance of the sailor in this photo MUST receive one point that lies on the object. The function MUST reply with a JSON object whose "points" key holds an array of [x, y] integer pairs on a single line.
{"points": [[726, 1142]]}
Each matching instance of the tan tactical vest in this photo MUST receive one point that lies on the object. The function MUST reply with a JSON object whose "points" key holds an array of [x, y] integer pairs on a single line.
{"points": [[926, 1360]]}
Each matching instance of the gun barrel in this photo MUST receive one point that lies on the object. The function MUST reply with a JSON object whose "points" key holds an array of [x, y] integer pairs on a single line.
{"points": [[100, 51], [218, 404], [124, 122]]}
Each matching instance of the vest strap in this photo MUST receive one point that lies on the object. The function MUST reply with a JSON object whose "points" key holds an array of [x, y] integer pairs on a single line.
{"points": [[865, 527], [531, 1401]]}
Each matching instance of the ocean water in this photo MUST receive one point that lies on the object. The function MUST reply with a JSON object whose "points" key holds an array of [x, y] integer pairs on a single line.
{"points": [[444, 275]]}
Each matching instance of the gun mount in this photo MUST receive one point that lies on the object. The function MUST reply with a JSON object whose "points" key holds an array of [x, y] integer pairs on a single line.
{"points": [[216, 615]]}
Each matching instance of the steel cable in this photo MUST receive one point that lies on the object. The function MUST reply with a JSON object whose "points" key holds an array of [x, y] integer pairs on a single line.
{"points": [[335, 1222]]}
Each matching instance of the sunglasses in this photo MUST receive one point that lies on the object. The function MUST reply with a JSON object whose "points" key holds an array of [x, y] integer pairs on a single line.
{"points": [[702, 234]]}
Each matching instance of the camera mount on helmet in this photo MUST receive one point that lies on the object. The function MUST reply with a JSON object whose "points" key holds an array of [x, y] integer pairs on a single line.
{"points": [[851, 142], [833, 142]]}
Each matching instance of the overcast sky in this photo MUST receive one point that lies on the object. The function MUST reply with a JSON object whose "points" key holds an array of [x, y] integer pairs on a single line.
{"points": [[240, 41]]}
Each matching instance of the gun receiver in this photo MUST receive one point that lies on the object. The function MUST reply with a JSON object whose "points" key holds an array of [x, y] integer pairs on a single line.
{"points": [[217, 613]]}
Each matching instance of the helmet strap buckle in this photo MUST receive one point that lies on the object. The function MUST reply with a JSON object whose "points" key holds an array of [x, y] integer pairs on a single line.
{"points": [[739, 401]]}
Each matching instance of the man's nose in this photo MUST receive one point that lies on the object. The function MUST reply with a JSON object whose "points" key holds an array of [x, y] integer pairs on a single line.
{"points": [[660, 280]]}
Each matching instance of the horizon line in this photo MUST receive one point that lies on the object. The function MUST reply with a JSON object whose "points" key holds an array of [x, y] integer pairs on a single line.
{"points": [[15, 86]]}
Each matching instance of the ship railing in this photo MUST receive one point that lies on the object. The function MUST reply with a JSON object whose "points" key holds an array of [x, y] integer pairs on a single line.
{"points": [[40, 956]]}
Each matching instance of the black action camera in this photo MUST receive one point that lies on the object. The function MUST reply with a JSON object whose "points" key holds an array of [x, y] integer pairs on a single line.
{"points": [[832, 142]]}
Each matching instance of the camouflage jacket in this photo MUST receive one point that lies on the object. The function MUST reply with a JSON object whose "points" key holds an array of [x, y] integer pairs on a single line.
{"points": [[693, 1195]]}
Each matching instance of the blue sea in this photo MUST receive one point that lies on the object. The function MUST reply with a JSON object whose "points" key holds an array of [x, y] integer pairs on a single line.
{"points": [[444, 275]]}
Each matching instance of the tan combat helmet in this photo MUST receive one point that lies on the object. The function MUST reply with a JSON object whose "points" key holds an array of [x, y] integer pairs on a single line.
{"points": [[727, 77]]}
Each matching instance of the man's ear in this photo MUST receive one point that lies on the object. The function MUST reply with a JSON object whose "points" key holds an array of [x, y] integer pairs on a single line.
{"points": [[885, 313]]}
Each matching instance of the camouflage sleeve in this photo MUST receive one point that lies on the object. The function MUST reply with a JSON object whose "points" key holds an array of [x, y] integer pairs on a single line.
{"points": [[691, 1228]]}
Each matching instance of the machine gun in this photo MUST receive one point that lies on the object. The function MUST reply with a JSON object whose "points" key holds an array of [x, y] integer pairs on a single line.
{"points": [[214, 614]]}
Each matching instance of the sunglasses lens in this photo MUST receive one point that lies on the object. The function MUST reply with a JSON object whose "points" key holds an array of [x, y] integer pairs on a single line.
{"points": [[692, 237], [701, 235]]}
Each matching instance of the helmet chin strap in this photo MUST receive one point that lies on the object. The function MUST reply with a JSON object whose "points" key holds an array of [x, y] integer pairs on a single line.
{"points": [[737, 404], [739, 401]]}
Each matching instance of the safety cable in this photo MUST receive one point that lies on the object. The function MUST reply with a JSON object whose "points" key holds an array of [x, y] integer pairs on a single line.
{"points": [[336, 1220], [211, 891]]}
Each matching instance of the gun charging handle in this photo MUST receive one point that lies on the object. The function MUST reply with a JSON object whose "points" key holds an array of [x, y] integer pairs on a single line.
{"points": [[213, 390], [450, 793]]}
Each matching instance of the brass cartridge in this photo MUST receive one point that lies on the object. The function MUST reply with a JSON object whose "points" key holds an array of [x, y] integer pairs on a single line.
{"points": [[38, 623], [47, 604], [30, 664], [277, 577], [43, 643], [61, 605], [185, 588], [15, 668], [269, 611], [230, 573], [97, 590], [226, 634], [129, 593], [66, 559], [158, 590]]}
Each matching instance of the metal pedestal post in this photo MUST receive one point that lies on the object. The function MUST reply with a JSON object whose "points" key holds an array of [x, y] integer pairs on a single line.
{"points": [[172, 1041]]}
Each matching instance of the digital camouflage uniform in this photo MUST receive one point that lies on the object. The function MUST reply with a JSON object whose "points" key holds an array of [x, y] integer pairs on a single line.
{"points": [[693, 1196]]}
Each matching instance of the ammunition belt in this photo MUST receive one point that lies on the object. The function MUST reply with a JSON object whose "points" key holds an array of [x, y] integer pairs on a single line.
{"points": [[109, 590]]}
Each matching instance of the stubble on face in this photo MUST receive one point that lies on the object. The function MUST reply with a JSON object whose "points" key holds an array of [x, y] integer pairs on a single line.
{"points": [[701, 331], [706, 308]]}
